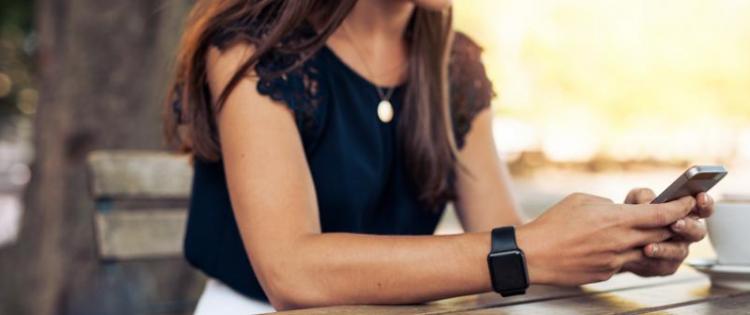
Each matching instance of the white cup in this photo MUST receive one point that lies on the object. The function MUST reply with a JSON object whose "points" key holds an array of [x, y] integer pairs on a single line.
{"points": [[729, 231]]}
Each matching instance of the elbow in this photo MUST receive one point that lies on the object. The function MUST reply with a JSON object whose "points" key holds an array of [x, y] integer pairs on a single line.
{"points": [[288, 290]]}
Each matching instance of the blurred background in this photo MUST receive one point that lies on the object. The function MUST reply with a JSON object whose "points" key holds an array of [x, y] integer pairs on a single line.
{"points": [[597, 96]]}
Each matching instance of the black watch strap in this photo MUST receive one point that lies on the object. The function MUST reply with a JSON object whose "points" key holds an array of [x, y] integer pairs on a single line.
{"points": [[506, 253], [503, 239]]}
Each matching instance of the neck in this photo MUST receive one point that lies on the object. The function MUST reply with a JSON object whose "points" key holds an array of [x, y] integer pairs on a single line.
{"points": [[380, 19], [371, 40]]}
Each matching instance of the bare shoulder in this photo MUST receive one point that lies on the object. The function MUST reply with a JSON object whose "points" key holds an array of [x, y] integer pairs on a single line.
{"points": [[222, 64], [245, 108]]}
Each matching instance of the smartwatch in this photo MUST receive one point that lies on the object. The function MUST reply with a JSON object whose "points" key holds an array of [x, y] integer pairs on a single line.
{"points": [[507, 263]]}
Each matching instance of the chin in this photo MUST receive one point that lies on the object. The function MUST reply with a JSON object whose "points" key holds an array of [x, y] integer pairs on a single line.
{"points": [[436, 5]]}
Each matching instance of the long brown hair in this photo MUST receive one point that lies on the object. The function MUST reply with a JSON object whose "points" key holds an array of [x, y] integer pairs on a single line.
{"points": [[425, 127]]}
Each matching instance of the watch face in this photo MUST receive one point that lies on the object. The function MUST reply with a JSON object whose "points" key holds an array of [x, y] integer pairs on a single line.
{"points": [[508, 270]]}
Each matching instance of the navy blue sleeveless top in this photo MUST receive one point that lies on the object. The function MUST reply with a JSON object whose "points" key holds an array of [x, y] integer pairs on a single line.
{"points": [[361, 182]]}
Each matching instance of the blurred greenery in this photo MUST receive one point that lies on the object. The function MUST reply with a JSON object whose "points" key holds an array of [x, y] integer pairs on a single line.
{"points": [[17, 46], [16, 13]]}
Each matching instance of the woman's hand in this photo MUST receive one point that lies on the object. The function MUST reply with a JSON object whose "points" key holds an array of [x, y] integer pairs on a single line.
{"points": [[586, 238], [663, 258]]}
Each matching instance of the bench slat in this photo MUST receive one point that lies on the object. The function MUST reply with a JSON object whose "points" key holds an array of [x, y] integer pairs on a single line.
{"points": [[128, 234], [140, 174]]}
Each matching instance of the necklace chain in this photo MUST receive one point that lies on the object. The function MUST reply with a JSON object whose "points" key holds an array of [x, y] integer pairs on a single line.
{"points": [[384, 95]]}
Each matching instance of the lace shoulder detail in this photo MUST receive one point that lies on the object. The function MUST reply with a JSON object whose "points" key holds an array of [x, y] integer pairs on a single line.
{"points": [[298, 88], [287, 77], [470, 89]]}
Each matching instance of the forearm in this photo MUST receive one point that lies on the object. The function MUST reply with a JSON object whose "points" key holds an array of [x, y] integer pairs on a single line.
{"points": [[338, 268], [486, 215], [482, 211], [485, 197]]}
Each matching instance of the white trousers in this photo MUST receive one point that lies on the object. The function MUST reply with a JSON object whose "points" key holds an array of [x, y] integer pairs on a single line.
{"points": [[218, 298]]}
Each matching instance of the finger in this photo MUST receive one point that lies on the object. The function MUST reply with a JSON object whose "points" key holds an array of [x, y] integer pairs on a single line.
{"points": [[660, 267], [705, 206], [649, 267], [632, 255], [689, 229], [640, 238], [640, 195], [667, 250], [659, 215]]}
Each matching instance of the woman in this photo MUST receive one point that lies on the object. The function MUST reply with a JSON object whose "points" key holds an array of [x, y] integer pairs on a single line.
{"points": [[328, 137]]}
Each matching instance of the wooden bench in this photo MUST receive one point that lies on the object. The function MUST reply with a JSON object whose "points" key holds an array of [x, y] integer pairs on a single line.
{"points": [[141, 203], [140, 211]]}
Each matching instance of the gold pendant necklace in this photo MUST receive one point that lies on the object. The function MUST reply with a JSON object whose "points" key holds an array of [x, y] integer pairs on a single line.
{"points": [[385, 108]]}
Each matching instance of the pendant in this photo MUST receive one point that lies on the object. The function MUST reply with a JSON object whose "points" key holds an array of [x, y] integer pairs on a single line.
{"points": [[385, 111]]}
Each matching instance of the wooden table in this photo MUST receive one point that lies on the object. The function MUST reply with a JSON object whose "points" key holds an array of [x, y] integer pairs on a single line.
{"points": [[686, 292]]}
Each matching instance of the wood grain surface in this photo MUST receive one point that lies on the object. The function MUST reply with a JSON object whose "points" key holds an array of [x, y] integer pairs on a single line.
{"points": [[686, 292], [139, 174]]}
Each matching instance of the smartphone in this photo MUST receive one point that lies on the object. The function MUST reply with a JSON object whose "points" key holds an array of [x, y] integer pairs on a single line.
{"points": [[695, 180]]}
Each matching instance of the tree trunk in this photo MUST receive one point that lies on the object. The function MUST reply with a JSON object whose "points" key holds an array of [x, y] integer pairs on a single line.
{"points": [[103, 72]]}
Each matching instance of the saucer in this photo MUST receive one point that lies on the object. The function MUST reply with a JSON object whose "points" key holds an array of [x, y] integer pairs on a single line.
{"points": [[735, 197], [730, 276]]}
